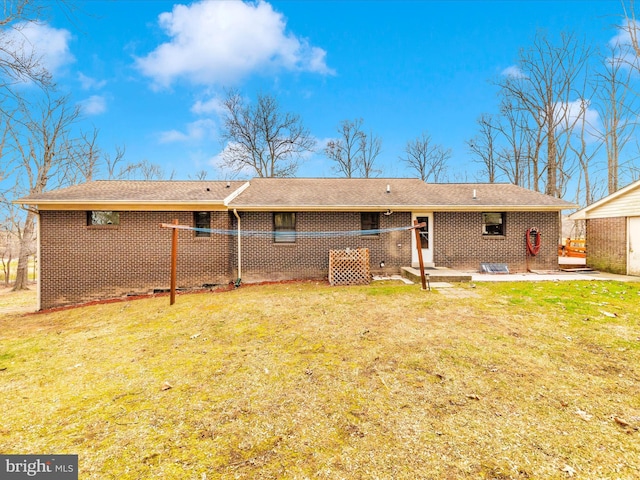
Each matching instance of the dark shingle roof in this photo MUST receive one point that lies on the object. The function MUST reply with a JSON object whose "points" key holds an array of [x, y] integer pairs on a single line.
{"points": [[490, 194], [298, 193], [325, 193], [143, 192], [330, 192]]}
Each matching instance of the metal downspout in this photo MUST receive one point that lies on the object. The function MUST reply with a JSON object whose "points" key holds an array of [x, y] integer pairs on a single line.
{"points": [[235, 212]]}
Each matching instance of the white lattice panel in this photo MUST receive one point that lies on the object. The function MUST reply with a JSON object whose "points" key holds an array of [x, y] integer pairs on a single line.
{"points": [[349, 267]]}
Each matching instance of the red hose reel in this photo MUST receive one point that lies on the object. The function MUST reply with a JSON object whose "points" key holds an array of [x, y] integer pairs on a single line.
{"points": [[534, 241]]}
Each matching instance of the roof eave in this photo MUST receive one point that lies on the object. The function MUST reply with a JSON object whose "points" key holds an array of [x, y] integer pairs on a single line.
{"points": [[579, 215], [584, 212], [125, 205], [404, 208]]}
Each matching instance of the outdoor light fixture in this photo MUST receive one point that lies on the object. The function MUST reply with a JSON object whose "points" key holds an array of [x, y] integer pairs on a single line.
{"points": [[382, 264]]}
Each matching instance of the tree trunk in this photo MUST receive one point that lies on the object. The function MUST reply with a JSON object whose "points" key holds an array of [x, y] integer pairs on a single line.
{"points": [[6, 266], [22, 272], [613, 163], [552, 158]]}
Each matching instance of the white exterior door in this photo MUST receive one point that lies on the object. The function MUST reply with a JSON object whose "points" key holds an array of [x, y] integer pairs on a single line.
{"points": [[426, 240], [633, 239]]}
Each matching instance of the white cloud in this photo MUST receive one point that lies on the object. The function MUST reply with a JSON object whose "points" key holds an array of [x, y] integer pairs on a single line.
{"points": [[224, 161], [322, 143], [217, 160], [172, 136], [513, 71], [89, 83], [573, 113], [195, 131], [49, 45], [623, 37], [94, 105], [214, 43], [213, 105], [621, 45], [575, 109]]}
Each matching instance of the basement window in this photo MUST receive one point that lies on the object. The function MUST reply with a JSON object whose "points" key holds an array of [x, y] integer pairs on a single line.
{"points": [[202, 220], [284, 227], [493, 224], [101, 218]]}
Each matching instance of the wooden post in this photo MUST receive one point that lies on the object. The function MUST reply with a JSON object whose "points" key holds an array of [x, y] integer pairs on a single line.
{"points": [[416, 228], [174, 263]]}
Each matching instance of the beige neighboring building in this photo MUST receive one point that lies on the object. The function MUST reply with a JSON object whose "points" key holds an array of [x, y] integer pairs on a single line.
{"points": [[613, 231], [103, 239]]}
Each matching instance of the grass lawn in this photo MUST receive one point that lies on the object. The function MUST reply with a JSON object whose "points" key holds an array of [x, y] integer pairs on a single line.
{"points": [[504, 380], [24, 301]]}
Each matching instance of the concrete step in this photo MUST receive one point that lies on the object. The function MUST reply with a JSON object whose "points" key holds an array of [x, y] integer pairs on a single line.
{"points": [[436, 274]]}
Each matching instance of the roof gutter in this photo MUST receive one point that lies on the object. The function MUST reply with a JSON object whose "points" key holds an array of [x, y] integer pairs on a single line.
{"points": [[124, 205], [402, 208]]}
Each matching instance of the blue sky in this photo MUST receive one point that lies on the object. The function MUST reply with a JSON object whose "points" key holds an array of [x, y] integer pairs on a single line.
{"points": [[150, 74]]}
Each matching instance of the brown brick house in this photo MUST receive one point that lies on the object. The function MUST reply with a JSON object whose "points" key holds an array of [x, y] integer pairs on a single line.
{"points": [[613, 231], [103, 239]]}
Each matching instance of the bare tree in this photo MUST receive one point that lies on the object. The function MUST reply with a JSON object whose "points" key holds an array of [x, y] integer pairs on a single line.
{"points": [[544, 87], [200, 175], [617, 106], [371, 146], [17, 63], [518, 157], [345, 150], [112, 163], [261, 138], [354, 152], [43, 151], [85, 158], [117, 169], [631, 25], [8, 239], [428, 159], [484, 146], [144, 170], [584, 152]]}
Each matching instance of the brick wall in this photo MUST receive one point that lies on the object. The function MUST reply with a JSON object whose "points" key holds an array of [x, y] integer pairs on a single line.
{"points": [[607, 244], [459, 243], [263, 259], [81, 263]]}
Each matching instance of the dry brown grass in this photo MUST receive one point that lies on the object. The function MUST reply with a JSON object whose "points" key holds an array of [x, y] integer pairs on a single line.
{"points": [[307, 381], [11, 302]]}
